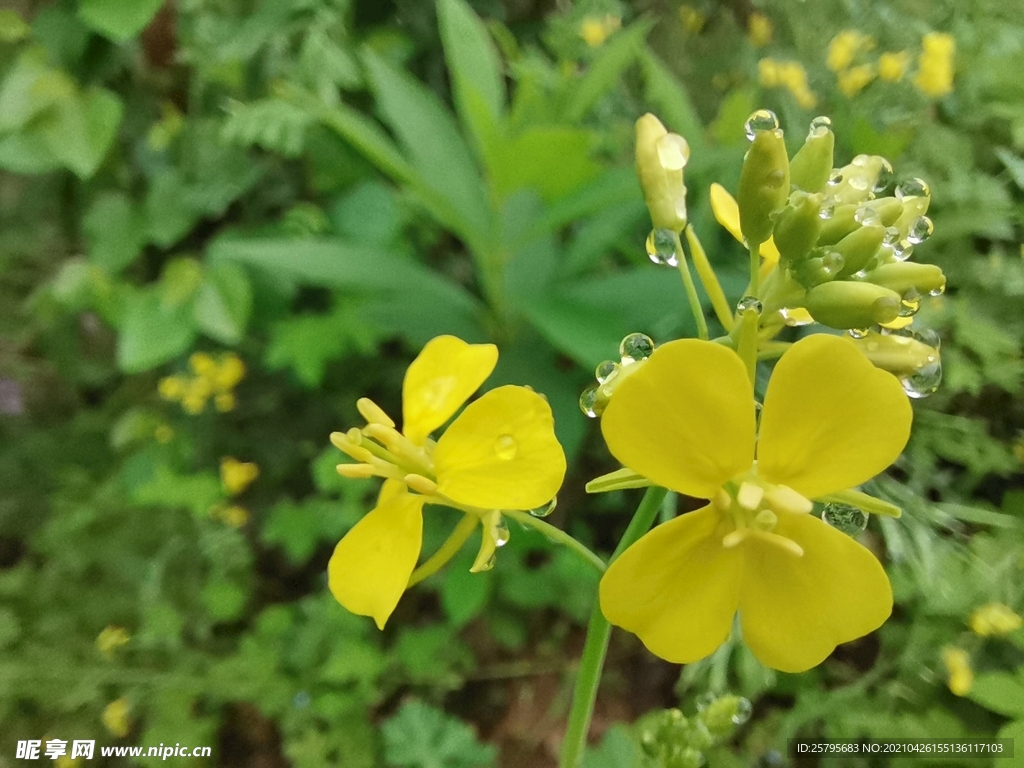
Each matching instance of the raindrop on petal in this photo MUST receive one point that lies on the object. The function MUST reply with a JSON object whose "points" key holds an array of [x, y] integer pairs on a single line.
{"points": [[673, 152], [635, 346], [546, 510], [506, 447], [605, 370], [588, 403], [844, 518]]}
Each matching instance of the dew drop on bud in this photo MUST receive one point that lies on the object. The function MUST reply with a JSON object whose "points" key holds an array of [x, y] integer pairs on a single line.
{"points": [[605, 370], [546, 510], [487, 566], [588, 403], [636, 346], [819, 127], [501, 533], [826, 212], [761, 120], [902, 250], [795, 318], [924, 381], [673, 152], [920, 230], [938, 291], [744, 709], [860, 183], [859, 333], [835, 178], [705, 700], [912, 188], [910, 303], [892, 236], [661, 247], [844, 518], [749, 304], [885, 176], [506, 447], [867, 216]]}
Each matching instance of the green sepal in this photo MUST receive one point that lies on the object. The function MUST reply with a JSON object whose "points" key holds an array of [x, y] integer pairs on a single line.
{"points": [[863, 502]]}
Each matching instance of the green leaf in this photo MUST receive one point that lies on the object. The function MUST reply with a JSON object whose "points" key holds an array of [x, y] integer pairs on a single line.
{"points": [[606, 70], [431, 139], [169, 210], [152, 333], [118, 19], [169, 489], [224, 302], [223, 600], [299, 528], [1001, 692], [598, 236], [614, 186], [673, 102], [422, 736], [618, 749], [307, 343], [113, 229], [368, 214], [477, 82], [433, 655], [81, 129], [553, 161], [464, 595], [12, 27]]}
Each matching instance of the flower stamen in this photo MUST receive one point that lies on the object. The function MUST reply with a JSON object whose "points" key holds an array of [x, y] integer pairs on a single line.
{"points": [[373, 413]]}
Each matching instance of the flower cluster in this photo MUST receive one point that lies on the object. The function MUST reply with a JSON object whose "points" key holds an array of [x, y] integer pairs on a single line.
{"points": [[596, 29], [210, 377], [235, 477], [791, 75], [849, 58], [499, 454]]}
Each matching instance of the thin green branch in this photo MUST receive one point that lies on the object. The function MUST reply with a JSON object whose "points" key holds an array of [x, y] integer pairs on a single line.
{"points": [[558, 536], [709, 280], [691, 290], [447, 551]]}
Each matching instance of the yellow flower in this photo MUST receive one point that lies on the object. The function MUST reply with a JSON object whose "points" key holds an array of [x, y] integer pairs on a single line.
{"points": [[852, 81], [693, 20], [893, 66], [686, 421], [844, 47], [237, 475], [171, 387], [499, 453], [115, 718], [768, 72], [994, 620], [935, 64], [110, 639], [595, 30], [958, 669], [234, 515], [759, 29]]}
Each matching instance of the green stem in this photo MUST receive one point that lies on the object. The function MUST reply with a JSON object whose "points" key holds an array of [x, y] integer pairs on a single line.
{"points": [[596, 645], [557, 535], [709, 280], [691, 290], [755, 269], [772, 349], [447, 551], [747, 344]]}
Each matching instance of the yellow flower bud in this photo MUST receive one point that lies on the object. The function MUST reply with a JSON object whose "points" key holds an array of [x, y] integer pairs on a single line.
{"points": [[900, 354], [759, 29], [812, 164], [110, 639], [115, 718], [893, 66], [845, 304], [958, 667], [852, 81], [764, 179], [660, 159], [903, 276], [798, 227], [994, 619], [858, 248], [935, 65], [236, 475]]}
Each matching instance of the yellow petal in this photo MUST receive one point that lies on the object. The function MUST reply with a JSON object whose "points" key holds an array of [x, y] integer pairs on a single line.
{"points": [[727, 213], [795, 610], [831, 419], [371, 566], [677, 588], [686, 419], [501, 453], [439, 380]]}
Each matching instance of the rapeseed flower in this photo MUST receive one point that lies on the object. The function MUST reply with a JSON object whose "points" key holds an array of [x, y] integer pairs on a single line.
{"points": [[994, 620], [686, 421], [855, 79], [790, 75], [499, 454], [844, 47], [893, 66], [110, 639], [211, 377], [236, 476], [759, 29], [959, 674], [596, 29], [115, 718], [935, 64]]}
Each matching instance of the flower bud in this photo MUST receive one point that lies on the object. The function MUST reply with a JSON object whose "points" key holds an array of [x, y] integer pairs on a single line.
{"points": [[845, 304], [660, 159], [859, 179], [886, 210], [798, 227], [903, 276], [841, 223], [896, 353], [858, 248], [812, 164], [764, 185], [821, 268]]}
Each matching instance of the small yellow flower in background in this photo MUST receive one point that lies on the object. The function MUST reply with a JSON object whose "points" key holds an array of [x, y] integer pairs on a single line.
{"points": [[237, 475], [115, 718], [693, 20], [110, 639], [211, 378], [852, 81], [892, 67], [595, 30], [994, 620], [499, 454], [1018, 449], [686, 421], [759, 29], [960, 676], [234, 515], [935, 64], [844, 47], [789, 74], [66, 762]]}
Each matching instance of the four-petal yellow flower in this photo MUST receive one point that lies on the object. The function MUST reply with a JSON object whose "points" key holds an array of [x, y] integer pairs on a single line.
{"points": [[500, 453], [830, 421]]}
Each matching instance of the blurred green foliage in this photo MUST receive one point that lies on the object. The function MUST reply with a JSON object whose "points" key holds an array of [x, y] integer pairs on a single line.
{"points": [[319, 187]]}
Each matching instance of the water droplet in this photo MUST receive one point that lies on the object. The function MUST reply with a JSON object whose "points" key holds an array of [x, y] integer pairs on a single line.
{"points": [[860, 274], [636, 346], [826, 212], [705, 700], [546, 510], [661, 247], [833, 262], [605, 370], [749, 304], [902, 250], [867, 216], [775, 179], [892, 236], [835, 178], [885, 176], [500, 533], [487, 566], [588, 403], [925, 380], [938, 291], [920, 230], [859, 183], [820, 126], [859, 333], [912, 188], [844, 518], [910, 303], [673, 152], [761, 120], [744, 709], [506, 447]]}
